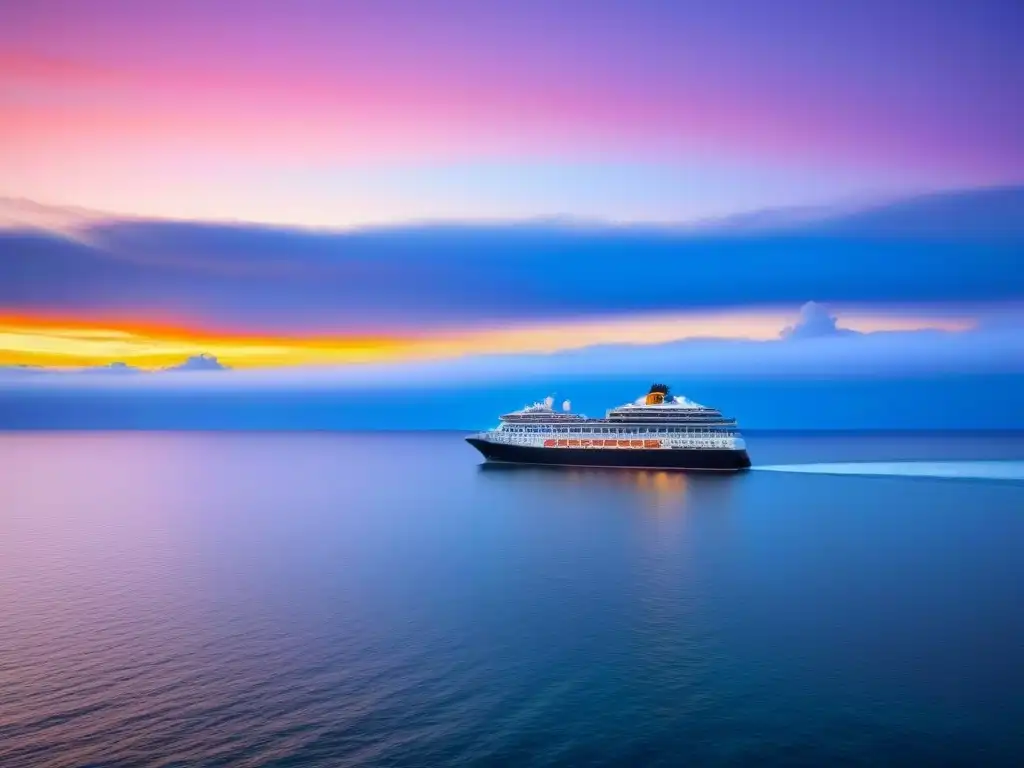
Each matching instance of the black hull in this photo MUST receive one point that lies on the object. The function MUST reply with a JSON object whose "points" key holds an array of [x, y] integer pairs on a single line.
{"points": [[710, 459]]}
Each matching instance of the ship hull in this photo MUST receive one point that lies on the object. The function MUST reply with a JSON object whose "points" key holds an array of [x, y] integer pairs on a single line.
{"points": [[692, 459]]}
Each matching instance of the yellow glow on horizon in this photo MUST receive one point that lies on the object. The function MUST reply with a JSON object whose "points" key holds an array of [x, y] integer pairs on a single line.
{"points": [[69, 344]]}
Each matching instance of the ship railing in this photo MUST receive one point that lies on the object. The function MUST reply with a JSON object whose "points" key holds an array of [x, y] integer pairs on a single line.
{"points": [[734, 441], [616, 434]]}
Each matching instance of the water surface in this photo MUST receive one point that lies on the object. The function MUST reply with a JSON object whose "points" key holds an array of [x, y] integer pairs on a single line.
{"points": [[347, 599]]}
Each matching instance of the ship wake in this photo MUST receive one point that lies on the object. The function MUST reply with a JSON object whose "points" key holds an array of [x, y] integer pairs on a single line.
{"points": [[965, 470]]}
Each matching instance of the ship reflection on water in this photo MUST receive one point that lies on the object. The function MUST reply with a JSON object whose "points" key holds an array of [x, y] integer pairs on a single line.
{"points": [[662, 490], [660, 482]]}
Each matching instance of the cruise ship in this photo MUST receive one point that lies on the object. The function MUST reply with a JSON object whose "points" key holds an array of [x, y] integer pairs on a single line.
{"points": [[657, 431]]}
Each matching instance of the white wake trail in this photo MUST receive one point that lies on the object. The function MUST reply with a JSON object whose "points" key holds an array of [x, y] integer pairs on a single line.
{"points": [[972, 470]]}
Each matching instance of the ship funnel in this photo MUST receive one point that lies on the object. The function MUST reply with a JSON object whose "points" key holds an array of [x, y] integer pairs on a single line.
{"points": [[657, 395], [566, 406]]}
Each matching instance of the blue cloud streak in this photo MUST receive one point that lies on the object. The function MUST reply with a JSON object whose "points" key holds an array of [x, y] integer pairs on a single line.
{"points": [[259, 278]]}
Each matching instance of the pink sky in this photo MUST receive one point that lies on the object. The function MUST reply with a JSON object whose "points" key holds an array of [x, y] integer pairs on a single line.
{"points": [[263, 110]]}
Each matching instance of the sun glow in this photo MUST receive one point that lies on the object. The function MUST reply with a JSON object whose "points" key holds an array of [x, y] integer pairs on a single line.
{"points": [[66, 343]]}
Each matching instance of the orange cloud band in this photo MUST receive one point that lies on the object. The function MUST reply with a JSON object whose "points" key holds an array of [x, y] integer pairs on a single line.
{"points": [[68, 343]]}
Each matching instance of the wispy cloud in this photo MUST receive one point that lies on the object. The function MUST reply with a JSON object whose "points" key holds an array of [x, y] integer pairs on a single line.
{"points": [[203, 362], [397, 282]]}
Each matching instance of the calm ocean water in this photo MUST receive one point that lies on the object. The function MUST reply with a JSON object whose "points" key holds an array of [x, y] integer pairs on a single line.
{"points": [[344, 599]]}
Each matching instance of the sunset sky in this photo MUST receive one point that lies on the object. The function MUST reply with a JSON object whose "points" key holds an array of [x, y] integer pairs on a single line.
{"points": [[318, 184], [344, 113]]}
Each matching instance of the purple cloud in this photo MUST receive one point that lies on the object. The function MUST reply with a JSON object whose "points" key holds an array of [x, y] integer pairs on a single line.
{"points": [[265, 279], [197, 363], [203, 362], [117, 369]]}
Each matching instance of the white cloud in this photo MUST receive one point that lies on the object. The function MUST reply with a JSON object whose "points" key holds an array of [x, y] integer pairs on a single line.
{"points": [[815, 321]]}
